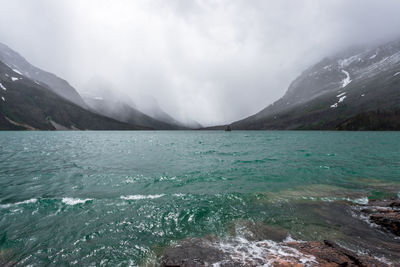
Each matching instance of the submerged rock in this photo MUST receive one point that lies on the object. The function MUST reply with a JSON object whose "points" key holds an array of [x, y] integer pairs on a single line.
{"points": [[241, 252], [191, 252]]}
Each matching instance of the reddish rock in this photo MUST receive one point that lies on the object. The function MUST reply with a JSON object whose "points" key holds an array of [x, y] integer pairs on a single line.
{"points": [[330, 254]]}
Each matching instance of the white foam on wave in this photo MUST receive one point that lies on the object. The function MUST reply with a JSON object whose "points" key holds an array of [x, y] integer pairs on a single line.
{"points": [[261, 253], [32, 200], [361, 200], [139, 197], [74, 201], [179, 195]]}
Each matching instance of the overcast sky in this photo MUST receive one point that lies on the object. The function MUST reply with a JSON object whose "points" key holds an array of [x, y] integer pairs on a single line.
{"points": [[214, 61]]}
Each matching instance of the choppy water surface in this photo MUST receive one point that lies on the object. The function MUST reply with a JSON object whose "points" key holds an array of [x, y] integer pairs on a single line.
{"points": [[119, 198]]}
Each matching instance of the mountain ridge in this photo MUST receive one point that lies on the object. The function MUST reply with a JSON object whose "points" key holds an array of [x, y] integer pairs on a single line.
{"points": [[336, 89], [54, 83], [28, 105]]}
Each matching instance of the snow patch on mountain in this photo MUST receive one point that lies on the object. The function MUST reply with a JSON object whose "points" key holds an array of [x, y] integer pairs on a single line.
{"points": [[17, 71], [341, 98], [347, 80], [343, 63], [378, 67], [339, 95], [2, 87]]}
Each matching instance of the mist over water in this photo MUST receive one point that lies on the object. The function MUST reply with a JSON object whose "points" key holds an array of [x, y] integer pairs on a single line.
{"points": [[210, 61], [121, 197]]}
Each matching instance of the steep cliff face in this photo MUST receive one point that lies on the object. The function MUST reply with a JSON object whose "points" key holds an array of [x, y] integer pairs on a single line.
{"points": [[336, 89]]}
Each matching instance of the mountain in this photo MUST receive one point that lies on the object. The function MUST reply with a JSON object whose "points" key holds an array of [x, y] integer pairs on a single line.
{"points": [[150, 106], [101, 98], [358, 89], [19, 65], [29, 104]]}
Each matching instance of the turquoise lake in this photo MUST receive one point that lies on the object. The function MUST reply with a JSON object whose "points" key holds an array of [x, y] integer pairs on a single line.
{"points": [[119, 198]]}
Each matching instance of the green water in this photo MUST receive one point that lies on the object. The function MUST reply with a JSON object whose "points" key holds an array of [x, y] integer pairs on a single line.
{"points": [[119, 198]]}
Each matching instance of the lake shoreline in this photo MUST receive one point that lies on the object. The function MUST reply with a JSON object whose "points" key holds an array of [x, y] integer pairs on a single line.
{"points": [[282, 250]]}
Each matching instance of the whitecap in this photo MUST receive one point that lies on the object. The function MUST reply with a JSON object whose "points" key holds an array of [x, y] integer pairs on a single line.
{"points": [[266, 252], [74, 201], [179, 195], [362, 200], [138, 197], [32, 200]]}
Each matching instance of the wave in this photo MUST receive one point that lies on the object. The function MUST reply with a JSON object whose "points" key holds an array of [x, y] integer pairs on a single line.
{"points": [[74, 201], [32, 200], [138, 197], [361, 200], [239, 251], [266, 253]]}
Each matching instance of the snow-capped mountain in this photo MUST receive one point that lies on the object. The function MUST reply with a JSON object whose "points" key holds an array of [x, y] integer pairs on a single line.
{"points": [[31, 98], [335, 90], [26, 104], [21, 66]]}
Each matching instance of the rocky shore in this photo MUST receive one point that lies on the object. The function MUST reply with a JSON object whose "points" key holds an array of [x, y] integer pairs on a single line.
{"points": [[280, 251], [196, 253], [385, 213]]}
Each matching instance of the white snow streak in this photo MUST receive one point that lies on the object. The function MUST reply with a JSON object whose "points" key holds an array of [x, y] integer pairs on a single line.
{"points": [[17, 71], [339, 95], [2, 87], [341, 99], [347, 80]]}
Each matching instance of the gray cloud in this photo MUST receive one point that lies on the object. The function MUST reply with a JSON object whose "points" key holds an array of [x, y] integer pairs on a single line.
{"points": [[213, 61]]}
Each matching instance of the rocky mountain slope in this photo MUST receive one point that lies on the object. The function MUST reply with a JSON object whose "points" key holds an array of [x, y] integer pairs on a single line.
{"points": [[101, 104], [102, 98], [358, 89], [28, 104], [59, 86]]}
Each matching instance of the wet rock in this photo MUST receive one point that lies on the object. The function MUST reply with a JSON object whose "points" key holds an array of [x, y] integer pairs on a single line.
{"points": [[328, 253], [385, 213], [392, 203], [5, 258], [191, 253], [256, 231], [388, 219], [223, 253]]}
